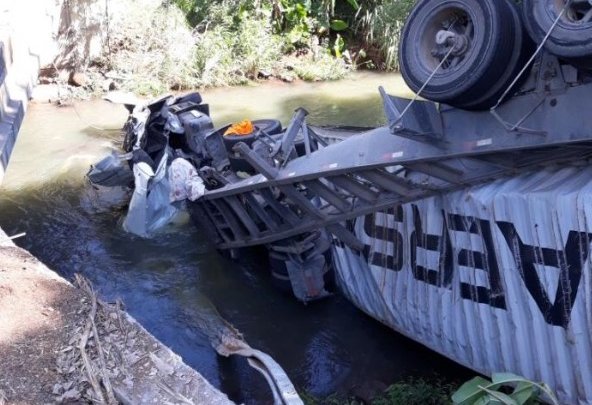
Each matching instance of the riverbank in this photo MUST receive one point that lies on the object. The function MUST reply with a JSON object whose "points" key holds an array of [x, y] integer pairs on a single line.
{"points": [[59, 343], [150, 47]]}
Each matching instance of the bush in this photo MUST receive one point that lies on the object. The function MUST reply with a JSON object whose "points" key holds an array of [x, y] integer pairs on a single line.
{"points": [[322, 67], [233, 48], [256, 46], [214, 58], [503, 388], [408, 392], [416, 391], [152, 46], [380, 24]]}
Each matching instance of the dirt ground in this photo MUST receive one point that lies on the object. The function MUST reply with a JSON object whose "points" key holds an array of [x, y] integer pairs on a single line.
{"points": [[37, 314], [60, 344]]}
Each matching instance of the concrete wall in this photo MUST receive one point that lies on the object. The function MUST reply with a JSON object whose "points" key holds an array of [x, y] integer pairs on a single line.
{"points": [[65, 34], [62, 34], [26, 42]]}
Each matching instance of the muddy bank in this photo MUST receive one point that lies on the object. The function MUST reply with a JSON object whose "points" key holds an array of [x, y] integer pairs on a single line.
{"points": [[58, 343]]}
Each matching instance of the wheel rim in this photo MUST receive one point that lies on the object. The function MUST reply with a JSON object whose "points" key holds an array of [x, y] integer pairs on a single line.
{"points": [[578, 12], [448, 39]]}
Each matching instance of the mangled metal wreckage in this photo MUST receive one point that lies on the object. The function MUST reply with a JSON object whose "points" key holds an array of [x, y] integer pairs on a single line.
{"points": [[465, 223]]}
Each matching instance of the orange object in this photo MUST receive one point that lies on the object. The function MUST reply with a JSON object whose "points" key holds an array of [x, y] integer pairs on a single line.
{"points": [[244, 127]]}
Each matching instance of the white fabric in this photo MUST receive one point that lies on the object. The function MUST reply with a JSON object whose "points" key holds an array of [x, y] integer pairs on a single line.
{"points": [[184, 181]]}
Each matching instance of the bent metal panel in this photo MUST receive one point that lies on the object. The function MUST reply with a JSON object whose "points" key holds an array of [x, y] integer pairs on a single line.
{"points": [[495, 277]]}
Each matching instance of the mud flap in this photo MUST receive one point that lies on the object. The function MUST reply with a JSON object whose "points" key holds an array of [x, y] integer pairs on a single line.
{"points": [[307, 277]]}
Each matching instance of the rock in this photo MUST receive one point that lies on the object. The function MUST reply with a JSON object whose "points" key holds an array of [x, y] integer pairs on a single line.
{"points": [[77, 79], [264, 74], [287, 78]]}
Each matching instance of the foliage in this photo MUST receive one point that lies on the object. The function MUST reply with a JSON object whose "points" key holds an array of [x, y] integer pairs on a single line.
{"points": [[232, 48], [237, 39], [416, 391], [257, 33], [295, 20], [407, 392], [380, 23], [323, 67], [300, 19], [152, 48], [155, 45], [503, 389]]}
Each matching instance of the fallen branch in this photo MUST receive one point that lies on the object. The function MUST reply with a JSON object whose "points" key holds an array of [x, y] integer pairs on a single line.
{"points": [[92, 326], [90, 374]]}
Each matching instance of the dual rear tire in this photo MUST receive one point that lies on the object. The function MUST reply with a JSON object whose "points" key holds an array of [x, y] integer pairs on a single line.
{"points": [[466, 53], [473, 48], [571, 38]]}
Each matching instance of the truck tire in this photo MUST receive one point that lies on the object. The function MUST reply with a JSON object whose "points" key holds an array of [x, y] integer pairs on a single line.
{"points": [[571, 39], [272, 127], [487, 43]]}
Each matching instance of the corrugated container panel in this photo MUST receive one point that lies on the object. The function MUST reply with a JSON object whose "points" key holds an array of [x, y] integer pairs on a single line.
{"points": [[496, 277]]}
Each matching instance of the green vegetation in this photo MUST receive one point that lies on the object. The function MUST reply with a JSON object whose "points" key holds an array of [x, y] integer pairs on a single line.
{"points": [[416, 391], [156, 45], [407, 392], [502, 389], [339, 27], [381, 23]]}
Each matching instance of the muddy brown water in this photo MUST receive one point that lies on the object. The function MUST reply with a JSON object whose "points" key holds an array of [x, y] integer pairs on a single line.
{"points": [[169, 282]]}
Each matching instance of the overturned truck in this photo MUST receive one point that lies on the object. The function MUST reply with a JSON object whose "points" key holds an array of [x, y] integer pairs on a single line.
{"points": [[465, 223]]}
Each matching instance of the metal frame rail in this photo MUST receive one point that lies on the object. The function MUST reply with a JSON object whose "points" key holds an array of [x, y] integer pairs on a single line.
{"points": [[427, 151]]}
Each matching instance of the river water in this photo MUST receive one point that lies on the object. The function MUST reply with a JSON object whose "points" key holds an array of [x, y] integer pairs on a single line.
{"points": [[170, 281]]}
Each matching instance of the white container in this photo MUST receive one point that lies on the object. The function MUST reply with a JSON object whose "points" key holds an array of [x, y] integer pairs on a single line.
{"points": [[497, 277]]}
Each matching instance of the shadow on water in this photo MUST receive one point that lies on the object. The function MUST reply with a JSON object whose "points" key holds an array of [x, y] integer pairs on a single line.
{"points": [[354, 101], [323, 109], [172, 280], [355, 111]]}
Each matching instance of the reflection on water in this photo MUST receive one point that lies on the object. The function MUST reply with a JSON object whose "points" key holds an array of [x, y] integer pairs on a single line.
{"points": [[170, 282], [353, 101]]}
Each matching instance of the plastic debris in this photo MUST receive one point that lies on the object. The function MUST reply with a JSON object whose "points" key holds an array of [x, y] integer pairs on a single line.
{"points": [[244, 127]]}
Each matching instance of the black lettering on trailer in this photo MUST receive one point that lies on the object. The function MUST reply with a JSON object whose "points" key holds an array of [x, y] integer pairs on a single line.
{"points": [[442, 276], [569, 261], [485, 260], [385, 233]]}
